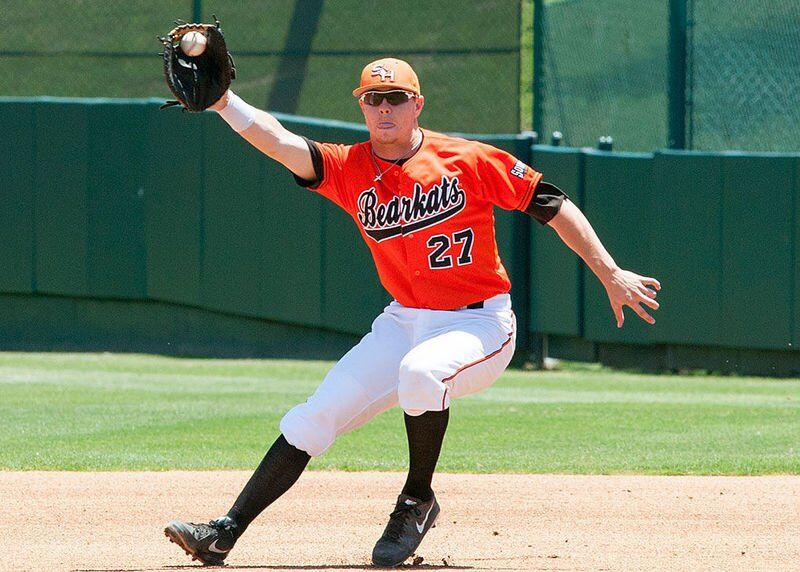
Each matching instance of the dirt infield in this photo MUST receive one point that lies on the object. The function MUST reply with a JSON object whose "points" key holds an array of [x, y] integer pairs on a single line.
{"points": [[329, 521]]}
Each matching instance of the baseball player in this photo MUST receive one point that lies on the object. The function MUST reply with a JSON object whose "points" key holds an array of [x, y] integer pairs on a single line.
{"points": [[423, 202]]}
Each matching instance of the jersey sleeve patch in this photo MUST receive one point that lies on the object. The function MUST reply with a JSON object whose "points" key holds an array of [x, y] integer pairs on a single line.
{"points": [[518, 170]]}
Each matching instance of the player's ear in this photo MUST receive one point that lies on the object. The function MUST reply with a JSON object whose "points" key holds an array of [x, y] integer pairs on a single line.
{"points": [[419, 103]]}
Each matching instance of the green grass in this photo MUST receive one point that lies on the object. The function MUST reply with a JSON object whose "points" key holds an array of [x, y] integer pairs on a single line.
{"points": [[110, 412]]}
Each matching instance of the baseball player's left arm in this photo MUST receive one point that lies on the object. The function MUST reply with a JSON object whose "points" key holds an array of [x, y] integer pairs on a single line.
{"points": [[511, 184], [624, 288]]}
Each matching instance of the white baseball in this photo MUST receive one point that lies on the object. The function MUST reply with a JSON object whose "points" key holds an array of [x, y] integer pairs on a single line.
{"points": [[193, 43]]}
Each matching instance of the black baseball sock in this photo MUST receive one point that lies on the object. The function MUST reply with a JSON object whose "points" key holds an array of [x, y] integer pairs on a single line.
{"points": [[278, 471], [425, 435]]}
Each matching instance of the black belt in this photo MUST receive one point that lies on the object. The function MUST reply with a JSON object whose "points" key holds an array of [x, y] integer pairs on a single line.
{"points": [[473, 306]]}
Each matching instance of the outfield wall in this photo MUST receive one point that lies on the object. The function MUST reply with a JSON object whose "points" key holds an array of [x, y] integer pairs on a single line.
{"points": [[116, 201], [719, 230]]}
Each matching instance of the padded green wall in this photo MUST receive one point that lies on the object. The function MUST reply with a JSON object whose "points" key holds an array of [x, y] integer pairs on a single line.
{"points": [[757, 254], [556, 304], [116, 200], [687, 247], [618, 196], [795, 315], [174, 179], [61, 225], [17, 147], [726, 249]]}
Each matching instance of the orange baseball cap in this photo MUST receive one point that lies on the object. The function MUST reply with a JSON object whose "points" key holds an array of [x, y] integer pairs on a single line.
{"points": [[387, 74]]}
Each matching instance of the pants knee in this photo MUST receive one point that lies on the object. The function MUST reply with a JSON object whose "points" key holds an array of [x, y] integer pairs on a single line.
{"points": [[308, 430], [419, 390], [339, 404]]}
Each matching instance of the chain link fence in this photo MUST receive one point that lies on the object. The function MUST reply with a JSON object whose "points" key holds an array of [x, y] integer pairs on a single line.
{"points": [[743, 69], [604, 71], [300, 56], [602, 67]]}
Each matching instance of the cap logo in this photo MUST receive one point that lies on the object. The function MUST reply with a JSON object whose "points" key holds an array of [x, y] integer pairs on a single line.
{"points": [[378, 69]]}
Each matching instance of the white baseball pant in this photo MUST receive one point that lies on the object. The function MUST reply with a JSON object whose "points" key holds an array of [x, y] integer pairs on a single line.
{"points": [[413, 357]]}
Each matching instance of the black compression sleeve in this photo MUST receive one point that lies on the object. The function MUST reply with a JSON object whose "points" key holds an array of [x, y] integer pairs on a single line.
{"points": [[546, 202], [316, 160]]}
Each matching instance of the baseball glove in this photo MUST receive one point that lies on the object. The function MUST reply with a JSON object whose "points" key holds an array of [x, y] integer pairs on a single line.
{"points": [[197, 82]]}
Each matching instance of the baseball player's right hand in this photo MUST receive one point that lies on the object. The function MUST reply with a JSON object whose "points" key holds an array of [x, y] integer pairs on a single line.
{"points": [[626, 288]]}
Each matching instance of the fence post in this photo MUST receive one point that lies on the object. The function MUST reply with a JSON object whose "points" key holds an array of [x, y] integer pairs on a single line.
{"points": [[676, 75], [538, 65]]}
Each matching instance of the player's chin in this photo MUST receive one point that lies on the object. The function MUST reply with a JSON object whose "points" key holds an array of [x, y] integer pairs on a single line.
{"points": [[386, 133]]}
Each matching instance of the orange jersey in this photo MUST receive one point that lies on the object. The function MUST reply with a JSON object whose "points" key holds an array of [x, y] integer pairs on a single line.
{"points": [[429, 222]]}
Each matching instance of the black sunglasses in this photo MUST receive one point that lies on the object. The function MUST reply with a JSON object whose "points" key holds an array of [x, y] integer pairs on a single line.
{"points": [[375, 98]]}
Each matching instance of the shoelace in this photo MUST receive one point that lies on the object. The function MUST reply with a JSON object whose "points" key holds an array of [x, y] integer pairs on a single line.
{"points": [[398, 519], [202, 530]]}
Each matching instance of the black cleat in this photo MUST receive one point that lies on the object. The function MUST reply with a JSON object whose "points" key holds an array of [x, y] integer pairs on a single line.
{"points": [[208, 543], [408, 523]]}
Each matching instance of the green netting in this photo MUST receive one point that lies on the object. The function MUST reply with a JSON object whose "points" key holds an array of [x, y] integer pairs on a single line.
{"points": [[605, 65], [604, 61], [744, 65], [299, 56]]}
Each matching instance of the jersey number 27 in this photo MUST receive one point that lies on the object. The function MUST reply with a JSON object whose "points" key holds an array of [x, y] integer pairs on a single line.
{"points": [[441, 243]]}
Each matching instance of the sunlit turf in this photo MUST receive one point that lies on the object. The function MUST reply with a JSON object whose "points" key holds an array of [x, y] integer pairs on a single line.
{"points": [[119, 412]]}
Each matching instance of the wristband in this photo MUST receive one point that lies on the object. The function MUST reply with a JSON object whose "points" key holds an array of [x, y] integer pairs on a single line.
{"points": [[238, 114]]}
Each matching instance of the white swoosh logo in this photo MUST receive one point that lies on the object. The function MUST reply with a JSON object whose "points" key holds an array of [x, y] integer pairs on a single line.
{"points": [[421, 527], [213, 548]]}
